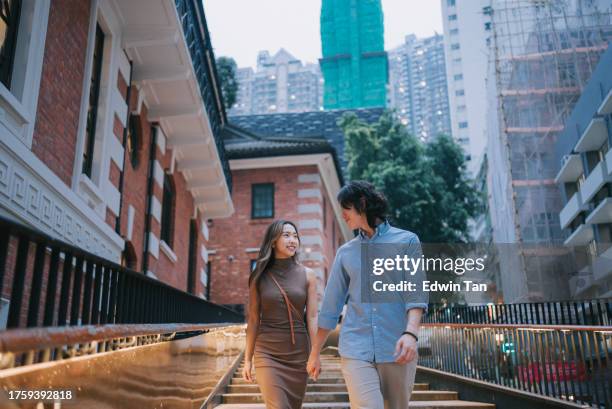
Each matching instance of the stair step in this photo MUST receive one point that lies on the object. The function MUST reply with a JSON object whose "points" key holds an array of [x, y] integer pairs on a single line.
{"points": [[310, 397], [337, 396], [441, 404], [323, 367], [319, 387], [238, 380], [322, 381]]}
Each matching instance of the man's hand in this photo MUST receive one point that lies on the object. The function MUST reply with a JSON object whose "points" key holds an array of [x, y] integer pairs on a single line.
{"points": [[246, 371], [405, 349], [313, 367]]}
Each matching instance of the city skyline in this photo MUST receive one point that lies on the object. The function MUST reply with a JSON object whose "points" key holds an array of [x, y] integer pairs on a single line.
{"points": [[295, 19]]}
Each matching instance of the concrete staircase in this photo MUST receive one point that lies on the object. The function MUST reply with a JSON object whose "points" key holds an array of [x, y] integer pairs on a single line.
{"points": [[329, 391]]}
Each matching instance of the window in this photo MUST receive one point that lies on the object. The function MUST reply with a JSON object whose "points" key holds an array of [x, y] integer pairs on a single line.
{"points": [[450, 3], [167, 216], [134, 140], [9, 22], [459, 92], [463, 125], [94, 94], [262, 200], [454, 31], [487, 26], [458, 77], [452, 17], [455, 46]]}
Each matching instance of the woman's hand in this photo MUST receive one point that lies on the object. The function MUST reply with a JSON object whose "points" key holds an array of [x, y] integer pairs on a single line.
{"points": [[313, 367], [246, 371], [405, 349]]}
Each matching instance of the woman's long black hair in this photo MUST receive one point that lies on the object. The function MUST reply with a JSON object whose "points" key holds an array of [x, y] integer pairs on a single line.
{"points": [[266, 254]]}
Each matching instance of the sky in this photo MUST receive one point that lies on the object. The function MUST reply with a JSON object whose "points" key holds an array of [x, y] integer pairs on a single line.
{"points": [[240, 28]]}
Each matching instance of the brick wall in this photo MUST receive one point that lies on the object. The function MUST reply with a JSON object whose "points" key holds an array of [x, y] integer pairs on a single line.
{"points": [[299, 194], [61, 86]]}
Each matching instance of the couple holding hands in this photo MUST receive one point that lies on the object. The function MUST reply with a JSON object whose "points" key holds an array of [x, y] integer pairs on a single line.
{"points": [[378, 341]]}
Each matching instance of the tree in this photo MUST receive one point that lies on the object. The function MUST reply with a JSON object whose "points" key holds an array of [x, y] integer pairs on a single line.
{"points": [[226, 68], [426, 185]]}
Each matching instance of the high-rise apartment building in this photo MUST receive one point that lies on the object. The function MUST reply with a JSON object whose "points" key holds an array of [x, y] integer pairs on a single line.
{"points": [[280, 83], [543, 53], [354, 62], [467, 31], [584, 162], [417, 86]]}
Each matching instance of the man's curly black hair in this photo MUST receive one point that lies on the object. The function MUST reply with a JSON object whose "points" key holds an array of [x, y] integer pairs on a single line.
{"points": [[365, 199]]}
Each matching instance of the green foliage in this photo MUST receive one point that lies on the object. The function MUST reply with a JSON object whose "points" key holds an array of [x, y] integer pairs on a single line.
{"points": [[226, 68], [426, 185]]}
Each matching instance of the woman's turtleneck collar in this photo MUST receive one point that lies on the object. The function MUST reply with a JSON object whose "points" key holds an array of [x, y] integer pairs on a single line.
{"points": [[282, 264]]}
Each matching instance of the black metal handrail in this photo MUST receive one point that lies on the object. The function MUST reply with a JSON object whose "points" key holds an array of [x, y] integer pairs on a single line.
{"points": [[52, 283], [573, 312], [196, 33], [569, 363]]}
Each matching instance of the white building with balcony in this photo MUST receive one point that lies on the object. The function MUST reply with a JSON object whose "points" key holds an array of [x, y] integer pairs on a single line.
{"points": [[585, 177]]}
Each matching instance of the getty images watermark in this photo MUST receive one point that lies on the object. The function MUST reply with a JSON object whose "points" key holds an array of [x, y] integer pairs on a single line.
{"points": [[417, 272]]}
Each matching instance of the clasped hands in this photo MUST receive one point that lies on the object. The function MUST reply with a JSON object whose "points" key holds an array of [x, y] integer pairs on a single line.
{"points": [[313, 367], [405, 352]]}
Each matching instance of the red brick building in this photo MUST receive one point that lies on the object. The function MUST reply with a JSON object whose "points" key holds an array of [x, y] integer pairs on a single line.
{"points": [[276, 178], [110, 131]]}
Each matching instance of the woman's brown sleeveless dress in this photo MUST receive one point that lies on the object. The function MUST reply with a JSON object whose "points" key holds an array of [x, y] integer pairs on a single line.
{"points": [[281, 353]]}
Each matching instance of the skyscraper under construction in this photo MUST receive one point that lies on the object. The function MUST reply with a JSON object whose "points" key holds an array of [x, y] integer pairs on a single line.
{"points": [[354, 62], [543, 53]]}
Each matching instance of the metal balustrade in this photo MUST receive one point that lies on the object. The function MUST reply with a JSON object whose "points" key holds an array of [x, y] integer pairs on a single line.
{"points": [[571, 363], [51, 283], [574, 312]]}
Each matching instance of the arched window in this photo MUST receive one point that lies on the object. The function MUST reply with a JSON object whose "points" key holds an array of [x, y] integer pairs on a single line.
{"points": [[167, 216]]}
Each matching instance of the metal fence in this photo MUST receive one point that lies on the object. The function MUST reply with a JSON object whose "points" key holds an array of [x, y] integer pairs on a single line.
{"points": [[571, 363], [50, 283], [584, 312]]}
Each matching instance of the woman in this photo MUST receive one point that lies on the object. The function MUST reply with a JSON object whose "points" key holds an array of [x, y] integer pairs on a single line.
{"points": [[280, 289]]}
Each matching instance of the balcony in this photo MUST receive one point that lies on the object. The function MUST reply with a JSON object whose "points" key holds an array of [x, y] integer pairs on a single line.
{"points": [[571, 210], [581, 236], [594, 182], [571, 169], [602, 266], [606, 106], [602, 213], [593, 136], [174, 67]]}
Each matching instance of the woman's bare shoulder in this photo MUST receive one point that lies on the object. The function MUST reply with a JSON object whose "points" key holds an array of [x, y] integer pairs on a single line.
{"points": [[310, 273]]}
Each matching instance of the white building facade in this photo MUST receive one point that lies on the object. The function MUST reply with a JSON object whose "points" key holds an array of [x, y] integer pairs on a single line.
{"points": [[467, 29]]}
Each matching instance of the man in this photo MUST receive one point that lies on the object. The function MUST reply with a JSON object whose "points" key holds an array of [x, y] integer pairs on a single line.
{"points": [[378, 341]]}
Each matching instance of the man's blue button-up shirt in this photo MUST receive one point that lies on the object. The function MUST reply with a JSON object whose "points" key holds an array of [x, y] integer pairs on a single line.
{"points": [[369, 331]]}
